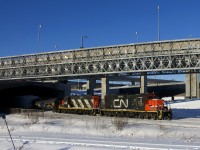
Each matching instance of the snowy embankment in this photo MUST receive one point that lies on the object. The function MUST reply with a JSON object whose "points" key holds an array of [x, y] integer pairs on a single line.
{"points": [[65, 131]]}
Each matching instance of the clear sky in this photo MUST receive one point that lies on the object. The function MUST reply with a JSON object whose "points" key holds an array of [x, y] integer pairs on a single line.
{"points": [[105, 22]]}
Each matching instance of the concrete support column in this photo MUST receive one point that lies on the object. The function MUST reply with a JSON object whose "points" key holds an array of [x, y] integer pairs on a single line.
{"points": [[143, 83], [192, 85], [90, 86], [104, 88], [67, 88], [133, 83]]}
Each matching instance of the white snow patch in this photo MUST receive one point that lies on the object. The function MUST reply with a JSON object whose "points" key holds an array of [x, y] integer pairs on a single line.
{"points": [[71, 132]]}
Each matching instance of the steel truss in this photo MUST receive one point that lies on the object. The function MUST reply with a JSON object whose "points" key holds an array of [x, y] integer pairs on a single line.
{"points": [[153, 58]]}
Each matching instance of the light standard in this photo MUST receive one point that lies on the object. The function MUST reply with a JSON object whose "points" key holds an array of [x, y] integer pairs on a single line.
{"points": [[55, 47], [4, 117], [158, 23], [82, 41], [40, 26], [136, 33]]}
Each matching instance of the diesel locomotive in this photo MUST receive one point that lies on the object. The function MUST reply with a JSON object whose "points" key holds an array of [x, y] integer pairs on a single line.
{"points": [[144, 106]]}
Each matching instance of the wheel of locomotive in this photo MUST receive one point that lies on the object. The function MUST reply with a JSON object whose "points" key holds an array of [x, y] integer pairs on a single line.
{"points": [[146, 116], [116, 114], [89, 112], [80, 112], [135, 115], [130, 115], [125, 114], [119, 114], [92, 113], [149, 116], [165, 118], [111, 114], [101, 113], [77, 112], [107, 114], [155, 117], [140, 115]]}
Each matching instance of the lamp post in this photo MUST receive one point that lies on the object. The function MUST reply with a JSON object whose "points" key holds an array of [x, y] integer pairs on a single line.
{"points": [[158, 23], [82, 41], [136, 33], [55, 47], [40, 26], [4, 117]]}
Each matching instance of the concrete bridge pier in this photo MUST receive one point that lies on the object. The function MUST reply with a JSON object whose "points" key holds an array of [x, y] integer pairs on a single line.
{"points": [[192, 85], [90, 86], [66, 86], [133, 82], [104, 88], [143, 83]]}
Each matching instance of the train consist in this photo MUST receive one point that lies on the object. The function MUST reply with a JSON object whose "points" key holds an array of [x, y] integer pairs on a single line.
{"points": [[144, 106]]}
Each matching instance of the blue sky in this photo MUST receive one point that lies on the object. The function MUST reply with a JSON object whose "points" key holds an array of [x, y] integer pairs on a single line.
{"points": [[105, 22]]}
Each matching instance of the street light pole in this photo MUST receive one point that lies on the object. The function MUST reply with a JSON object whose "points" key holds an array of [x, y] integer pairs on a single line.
{"points": [[4, 117], [82, 41], [55, 47], [136, 33], [40, 26], [158, 23]]}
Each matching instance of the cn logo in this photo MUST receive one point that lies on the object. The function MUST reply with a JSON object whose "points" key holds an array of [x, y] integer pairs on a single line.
{"points": [[118, 103]]}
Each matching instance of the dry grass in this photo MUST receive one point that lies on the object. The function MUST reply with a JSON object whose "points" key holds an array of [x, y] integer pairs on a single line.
{"points": [[119, 123]]}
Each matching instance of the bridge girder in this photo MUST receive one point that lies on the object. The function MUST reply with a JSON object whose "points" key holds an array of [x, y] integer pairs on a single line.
{"points": [[179, 56]]}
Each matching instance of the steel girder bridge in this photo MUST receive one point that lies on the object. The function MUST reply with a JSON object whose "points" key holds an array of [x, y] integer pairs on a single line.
{"points": [[161, 57]]}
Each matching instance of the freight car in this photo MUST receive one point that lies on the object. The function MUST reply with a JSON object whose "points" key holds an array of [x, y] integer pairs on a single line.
{"points": [[136, 106]]}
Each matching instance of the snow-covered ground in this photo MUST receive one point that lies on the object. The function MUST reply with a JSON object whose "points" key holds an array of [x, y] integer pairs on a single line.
{"points": [[55, 131]]}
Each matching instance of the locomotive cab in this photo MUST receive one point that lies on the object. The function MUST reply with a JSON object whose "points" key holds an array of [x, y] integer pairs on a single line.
{"points": [[158, 105], [154, 104]]}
